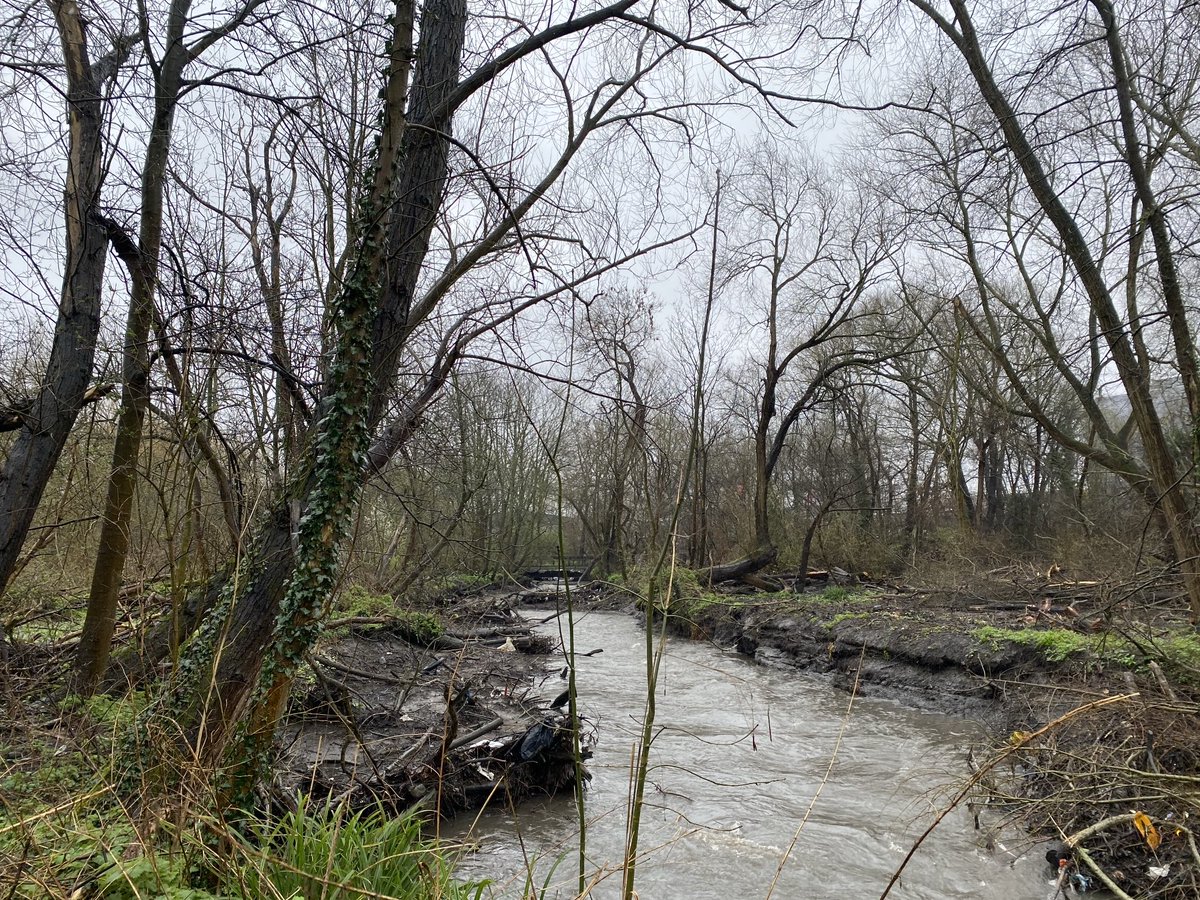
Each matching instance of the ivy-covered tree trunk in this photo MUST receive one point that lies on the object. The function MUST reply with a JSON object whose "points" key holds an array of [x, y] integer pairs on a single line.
{"points": [[238, 668]]}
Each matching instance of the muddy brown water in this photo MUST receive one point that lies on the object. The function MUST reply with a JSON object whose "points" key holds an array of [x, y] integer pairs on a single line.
{"points": [[741, 753]]}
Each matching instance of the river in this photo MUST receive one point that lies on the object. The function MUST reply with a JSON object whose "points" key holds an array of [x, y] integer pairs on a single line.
{"points": [[742, 751]]}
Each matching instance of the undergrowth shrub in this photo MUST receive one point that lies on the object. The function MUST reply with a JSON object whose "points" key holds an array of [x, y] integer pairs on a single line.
{"points": [[356, 600]]}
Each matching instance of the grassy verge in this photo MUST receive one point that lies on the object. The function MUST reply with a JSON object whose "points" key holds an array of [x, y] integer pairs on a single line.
{"points": [[63, 833]]}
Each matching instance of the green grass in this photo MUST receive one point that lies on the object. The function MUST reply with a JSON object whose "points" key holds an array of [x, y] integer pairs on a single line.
{"points": [[312, 852], [837, 593], [338, 855], [690, 597]]}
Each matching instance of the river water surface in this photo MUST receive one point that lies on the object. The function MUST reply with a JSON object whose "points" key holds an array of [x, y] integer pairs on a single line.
{"points": [[741, 753]]}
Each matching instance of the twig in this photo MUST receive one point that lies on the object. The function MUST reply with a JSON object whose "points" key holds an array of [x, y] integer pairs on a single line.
{"points": [[1161, 679], [479, 732], [357, 673], [1097, 827], [1101, 874], [45, 813]]}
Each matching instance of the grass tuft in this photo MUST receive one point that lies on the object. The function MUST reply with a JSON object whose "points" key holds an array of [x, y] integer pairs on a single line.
{"points": [[339, 855]]}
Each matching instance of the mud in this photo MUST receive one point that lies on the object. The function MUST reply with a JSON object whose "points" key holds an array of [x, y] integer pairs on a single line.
{"points": [[920, 647], [450, 721]]}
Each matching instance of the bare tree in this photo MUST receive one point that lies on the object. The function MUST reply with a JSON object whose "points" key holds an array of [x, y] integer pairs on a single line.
{"points": [[812, 252], [47, 416], [1095, 47], [272, 608], [142, 258]]}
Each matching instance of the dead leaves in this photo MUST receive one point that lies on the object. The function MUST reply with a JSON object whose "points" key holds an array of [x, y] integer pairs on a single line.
{"points": [[1146, 829]]}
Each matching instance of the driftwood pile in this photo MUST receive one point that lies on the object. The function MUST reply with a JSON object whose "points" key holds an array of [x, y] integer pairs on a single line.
{"points": [[471, 716]]}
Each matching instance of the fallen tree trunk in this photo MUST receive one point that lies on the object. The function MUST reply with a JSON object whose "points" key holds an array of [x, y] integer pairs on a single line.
{"points": [[754, 562]]}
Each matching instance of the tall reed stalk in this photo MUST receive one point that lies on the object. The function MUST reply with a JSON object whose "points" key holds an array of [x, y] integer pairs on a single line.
{"points": [[656, 645]]}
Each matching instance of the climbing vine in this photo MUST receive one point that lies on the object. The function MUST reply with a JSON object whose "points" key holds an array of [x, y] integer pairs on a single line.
{"points": [[339, 456], [327, 487]]}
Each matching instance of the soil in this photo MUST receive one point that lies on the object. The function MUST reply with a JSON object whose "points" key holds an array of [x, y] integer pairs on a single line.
{"points": [[385, 717], [920, 647], [475, 713]]}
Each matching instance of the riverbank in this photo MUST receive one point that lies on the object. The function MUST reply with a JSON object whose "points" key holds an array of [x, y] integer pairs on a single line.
{"points": [[453, 707], [959, 649], [1090, 693]]}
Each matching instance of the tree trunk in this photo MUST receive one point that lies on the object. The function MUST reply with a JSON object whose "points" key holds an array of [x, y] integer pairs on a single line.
{"points": [[143, 262], [755, 561], [963, 504], [809, 534], [912, 479], [43, 434], [422, 171], [1164, 475]]}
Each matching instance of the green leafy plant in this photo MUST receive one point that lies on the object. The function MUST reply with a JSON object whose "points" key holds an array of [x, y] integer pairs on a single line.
{"points": [[154, 875], [47, 777]]}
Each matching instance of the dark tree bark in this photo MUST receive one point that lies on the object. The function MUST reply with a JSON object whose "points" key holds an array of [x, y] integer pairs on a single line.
{"points": [[47, 423], [142, 262], [420, 172], [141, 258]]}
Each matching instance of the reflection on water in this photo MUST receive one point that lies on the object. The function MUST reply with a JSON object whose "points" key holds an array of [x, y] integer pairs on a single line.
{"points": [[739, 756]]}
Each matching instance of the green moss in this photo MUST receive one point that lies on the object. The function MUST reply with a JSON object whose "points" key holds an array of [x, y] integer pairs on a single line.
{"points": [[1178, 652], [418, 627], [103, 708], [357, 601], [47, 623], [1182, 649], [1056, 644]]}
